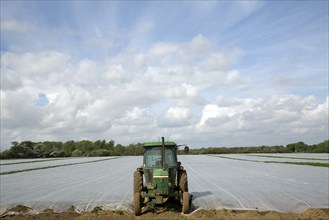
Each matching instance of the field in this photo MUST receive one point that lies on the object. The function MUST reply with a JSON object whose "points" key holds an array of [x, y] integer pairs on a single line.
{"points": [[234, 182]]}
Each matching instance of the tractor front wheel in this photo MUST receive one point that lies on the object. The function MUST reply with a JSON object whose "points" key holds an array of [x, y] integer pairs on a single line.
{"points": [[186, 203], [137, 204], [183, 184]]}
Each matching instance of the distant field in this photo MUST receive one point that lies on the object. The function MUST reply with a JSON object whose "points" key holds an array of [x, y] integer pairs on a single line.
{"points": [[235, 182], [294, 159]]}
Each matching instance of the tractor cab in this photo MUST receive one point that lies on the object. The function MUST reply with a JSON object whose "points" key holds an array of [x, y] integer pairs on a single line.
{"points": [[153, 154], [160, 169]]}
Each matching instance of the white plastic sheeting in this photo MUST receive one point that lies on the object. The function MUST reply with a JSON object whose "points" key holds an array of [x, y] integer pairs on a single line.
{"points": [[226, 183], [214, 183]]}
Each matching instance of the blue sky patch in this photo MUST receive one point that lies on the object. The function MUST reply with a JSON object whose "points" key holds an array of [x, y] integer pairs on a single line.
{"points": [[42, 100]]}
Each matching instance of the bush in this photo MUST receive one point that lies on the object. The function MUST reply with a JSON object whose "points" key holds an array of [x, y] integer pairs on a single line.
{"points": [[97, 209], [77, 153]]}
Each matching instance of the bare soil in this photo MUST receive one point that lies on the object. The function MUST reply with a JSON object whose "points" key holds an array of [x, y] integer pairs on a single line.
{"points": [[23, 212]]}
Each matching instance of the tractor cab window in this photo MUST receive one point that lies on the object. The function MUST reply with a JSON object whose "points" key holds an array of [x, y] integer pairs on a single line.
{"points": [[152, 157]]}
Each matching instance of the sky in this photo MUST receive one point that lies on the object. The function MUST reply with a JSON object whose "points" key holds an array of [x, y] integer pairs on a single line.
{"points": [[201, 73]]}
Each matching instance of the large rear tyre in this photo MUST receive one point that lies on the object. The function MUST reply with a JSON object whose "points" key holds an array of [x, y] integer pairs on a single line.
{"points": [[137, 204], [186, 203], [183, 184], [138, 187], [138, 182]]}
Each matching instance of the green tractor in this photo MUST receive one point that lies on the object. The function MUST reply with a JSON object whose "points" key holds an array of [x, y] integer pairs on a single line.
{"points": [[161, 177]]}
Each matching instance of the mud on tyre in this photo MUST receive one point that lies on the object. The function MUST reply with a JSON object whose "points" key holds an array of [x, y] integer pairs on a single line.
{"points": [[138, 187], [138, 181], [183, 184]]}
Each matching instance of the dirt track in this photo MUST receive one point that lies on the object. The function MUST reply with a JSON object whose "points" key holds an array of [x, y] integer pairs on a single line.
{"points": [[23, 212]]}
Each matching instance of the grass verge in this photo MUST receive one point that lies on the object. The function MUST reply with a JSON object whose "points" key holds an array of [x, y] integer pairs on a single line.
{"points": [[55, 166], [33, 161], [316, 164]]}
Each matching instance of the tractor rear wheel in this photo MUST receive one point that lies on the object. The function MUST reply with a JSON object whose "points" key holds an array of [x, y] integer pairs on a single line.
{"points": [[137, 203], [186, 203], [183, 184], [138, 187], [138, 182]]}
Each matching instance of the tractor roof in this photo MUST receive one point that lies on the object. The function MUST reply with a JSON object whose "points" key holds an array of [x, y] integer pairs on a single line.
{"points": [[159, 144]]}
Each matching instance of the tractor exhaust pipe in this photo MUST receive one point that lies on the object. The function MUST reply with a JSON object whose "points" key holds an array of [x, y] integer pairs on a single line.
{"points": [[163, 152]]}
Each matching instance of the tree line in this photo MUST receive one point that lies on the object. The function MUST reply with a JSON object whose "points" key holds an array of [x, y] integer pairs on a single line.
{"points": [[86, 148], [299, 147]]}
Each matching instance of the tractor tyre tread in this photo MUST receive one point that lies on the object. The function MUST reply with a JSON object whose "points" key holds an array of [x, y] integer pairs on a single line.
{"points": [[186, 203], [137, 204], [138, 182], [183, 183]]}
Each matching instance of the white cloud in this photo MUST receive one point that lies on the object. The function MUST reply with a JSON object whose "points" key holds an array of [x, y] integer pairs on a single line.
{"points": [[199, 44], [13, 25], [162, 49], [216, 62], [137, 96], [10, 80], [18, 109], [275, 119], [175, 117], [137, 117], [36, 70], [185, 94], [196, 62], [115, 74]]}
